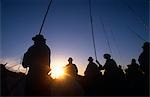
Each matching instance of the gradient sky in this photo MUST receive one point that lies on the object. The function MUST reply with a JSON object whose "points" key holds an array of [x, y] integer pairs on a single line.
{"points": [[68, 31]]}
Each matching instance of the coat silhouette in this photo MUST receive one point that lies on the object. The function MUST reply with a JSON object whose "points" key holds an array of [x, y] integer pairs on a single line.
{"points": [[92, 78], [110, 66], [92, 70], [135, 79], [144, 57], [37, 58], [71, 69], [111, 76], [144, 64]]}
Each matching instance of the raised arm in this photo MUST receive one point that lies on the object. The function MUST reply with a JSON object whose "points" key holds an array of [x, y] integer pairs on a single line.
{"points": [[100, 66]]}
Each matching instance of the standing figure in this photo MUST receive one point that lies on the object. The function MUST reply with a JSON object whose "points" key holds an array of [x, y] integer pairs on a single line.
{"points": [[133, 71], [71, 68], [92, 70], [134, 78], [69, 86], [110, 65], [144, 64], [37, 58], [111, 76], [92, 78], [144, 58]]}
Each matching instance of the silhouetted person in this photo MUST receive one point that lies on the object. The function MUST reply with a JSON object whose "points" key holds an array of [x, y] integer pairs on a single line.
{"points": [[134, 78], [110, 65], [70, 85], [92, 70], [38, 55], [92, 78], [133, 65], [111, 75], [132, 72], [37, 58], [144, 58], [71, 68], [144, 64]]}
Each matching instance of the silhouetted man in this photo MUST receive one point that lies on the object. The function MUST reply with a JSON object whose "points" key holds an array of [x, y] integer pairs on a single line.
{"points": [[92, 78], [111, 76], [144, 64], [69, 86], [37, 58], [71, 68], [110, 65], [133, 64], [133, 70], [92, 70], [144, 58], [134, 78]]}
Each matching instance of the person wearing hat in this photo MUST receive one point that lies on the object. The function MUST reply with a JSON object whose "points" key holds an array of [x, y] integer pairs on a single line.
{"points": [[92, 70], [71, 69], [37, 58], [110, 64], [92, 78]]}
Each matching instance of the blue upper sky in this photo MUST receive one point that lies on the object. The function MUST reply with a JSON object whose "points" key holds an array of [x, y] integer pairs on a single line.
{"points": [[68, 31]]}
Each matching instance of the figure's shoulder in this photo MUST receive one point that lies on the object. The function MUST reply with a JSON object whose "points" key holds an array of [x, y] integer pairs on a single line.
{"points": [[93, 65], [74, 65], [46, 46], [31, 47], [67, 65], [112, 60]]}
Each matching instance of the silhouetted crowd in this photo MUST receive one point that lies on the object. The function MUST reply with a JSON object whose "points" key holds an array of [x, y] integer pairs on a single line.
{"points": [[114, 82]]}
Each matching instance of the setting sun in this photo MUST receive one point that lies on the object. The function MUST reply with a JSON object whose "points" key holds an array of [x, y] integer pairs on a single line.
{"points": [[57, 72]]}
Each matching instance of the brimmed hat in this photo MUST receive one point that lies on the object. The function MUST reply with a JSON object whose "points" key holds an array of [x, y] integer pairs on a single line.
{"points": [[38, 38], [107, 55]]}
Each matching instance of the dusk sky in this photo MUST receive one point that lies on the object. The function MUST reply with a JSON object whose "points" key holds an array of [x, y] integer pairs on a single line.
{"points": [[68, 30]]}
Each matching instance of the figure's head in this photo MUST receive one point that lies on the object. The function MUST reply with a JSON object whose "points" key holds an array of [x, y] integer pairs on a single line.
{"points": [[107, 56], [120, 66], [133, 61], [39, 39], [70, 60], [146, 46], [90, 59]]}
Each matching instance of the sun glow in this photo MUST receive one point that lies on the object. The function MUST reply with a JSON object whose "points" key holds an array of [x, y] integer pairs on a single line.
{"points": [[57, 72]]}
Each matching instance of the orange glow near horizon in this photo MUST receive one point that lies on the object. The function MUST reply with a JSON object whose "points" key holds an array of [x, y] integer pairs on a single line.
{"points": [[57, 72], [57, 67]]}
